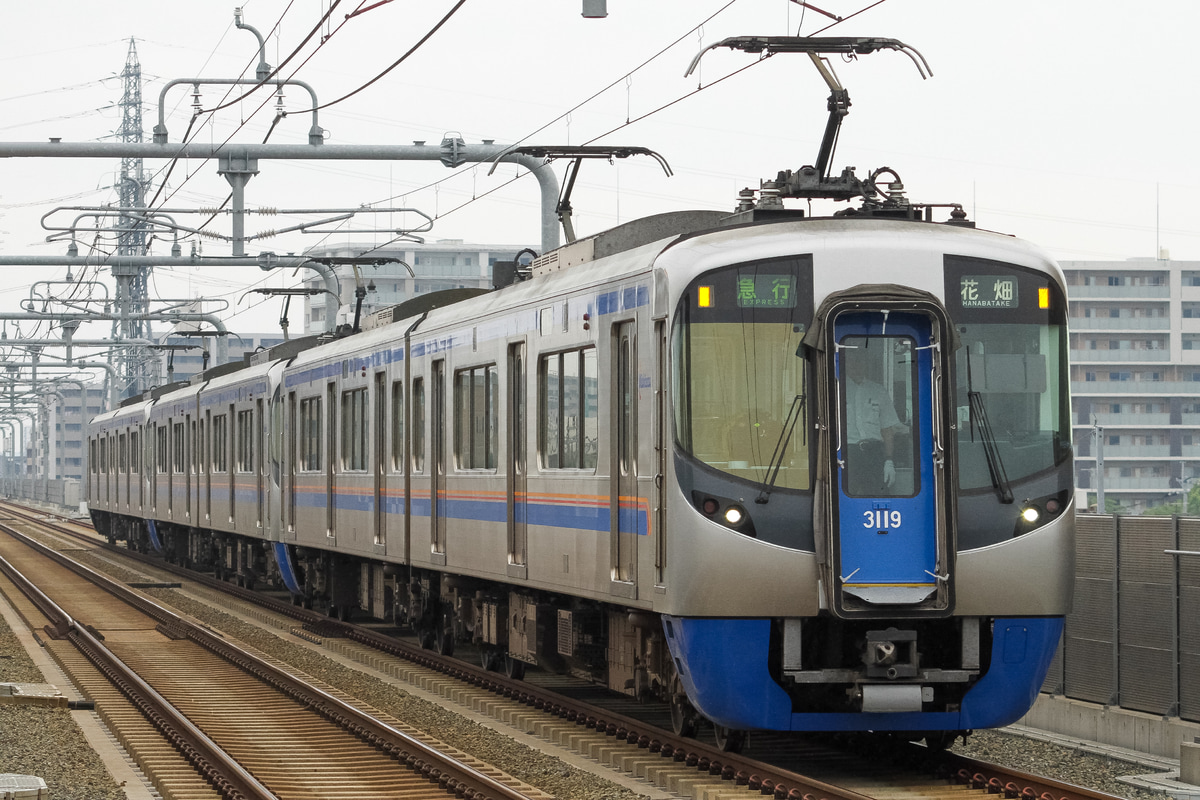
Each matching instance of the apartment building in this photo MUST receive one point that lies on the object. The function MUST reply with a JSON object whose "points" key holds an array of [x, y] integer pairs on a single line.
{"points": [[1135, 378], [405, 270]]}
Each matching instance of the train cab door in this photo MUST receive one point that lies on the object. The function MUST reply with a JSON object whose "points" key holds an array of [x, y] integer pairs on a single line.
{"points": [[891, 548], [625, 505], [517, 482]]}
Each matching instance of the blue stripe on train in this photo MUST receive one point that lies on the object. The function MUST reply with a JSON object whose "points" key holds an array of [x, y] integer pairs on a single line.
{"points": [[577, 517]]}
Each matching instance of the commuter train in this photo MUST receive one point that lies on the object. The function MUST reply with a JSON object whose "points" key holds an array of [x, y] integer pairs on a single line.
{"points": [[786, 473]]}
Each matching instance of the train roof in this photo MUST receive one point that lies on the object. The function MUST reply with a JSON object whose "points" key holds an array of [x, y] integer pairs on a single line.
{"points": [[609, 255]]}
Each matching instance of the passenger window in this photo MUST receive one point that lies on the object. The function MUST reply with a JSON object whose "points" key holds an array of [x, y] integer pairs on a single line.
{"points": [[354, 430], [568, 426], [310, 434], [418, 424], [398, 426], [477, 422]]}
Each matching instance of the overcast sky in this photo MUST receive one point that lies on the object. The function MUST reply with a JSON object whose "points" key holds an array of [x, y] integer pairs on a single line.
{"points": [[1070, 123]]}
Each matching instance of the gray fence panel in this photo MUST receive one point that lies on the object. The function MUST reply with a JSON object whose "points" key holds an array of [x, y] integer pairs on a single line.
{"points": [[1189, 620], [1147, 614], [1089, 640]]}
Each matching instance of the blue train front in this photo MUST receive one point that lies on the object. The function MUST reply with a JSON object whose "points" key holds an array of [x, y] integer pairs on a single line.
{"points": [[881, 417]]}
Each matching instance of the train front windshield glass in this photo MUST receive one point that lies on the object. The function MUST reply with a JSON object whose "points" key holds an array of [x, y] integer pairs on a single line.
{"points": [[737, 378], [1010, 371]]}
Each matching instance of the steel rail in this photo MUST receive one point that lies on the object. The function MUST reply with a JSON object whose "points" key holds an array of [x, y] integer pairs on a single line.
{"points": [[216, 766], [454, 777]]}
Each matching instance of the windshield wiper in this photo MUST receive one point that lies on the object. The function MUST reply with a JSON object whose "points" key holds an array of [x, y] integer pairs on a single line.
{"points": [[990, 451], [785, 436]]}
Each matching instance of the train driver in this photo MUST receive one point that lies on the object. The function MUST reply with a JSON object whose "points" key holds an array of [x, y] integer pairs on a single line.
{"points": [[871, 427]]}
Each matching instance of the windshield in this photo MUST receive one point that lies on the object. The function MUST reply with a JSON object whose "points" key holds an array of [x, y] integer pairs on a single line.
{"points": [[1010, 370], [1017, 371], [736, 373]]}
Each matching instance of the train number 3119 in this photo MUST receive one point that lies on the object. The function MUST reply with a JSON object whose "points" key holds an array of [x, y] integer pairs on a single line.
{"points": [[881, 519]]}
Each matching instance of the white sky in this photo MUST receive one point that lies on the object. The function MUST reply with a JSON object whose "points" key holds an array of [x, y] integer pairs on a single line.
{"points": [[1070, 123]]}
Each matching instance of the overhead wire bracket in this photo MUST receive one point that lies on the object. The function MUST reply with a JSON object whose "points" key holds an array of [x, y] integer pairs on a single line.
{"points": [[577, 154]]}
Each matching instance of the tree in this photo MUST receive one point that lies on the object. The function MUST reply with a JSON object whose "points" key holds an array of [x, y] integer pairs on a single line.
{"points": [[1193, 500], [1112, 505], [1165, 510]]}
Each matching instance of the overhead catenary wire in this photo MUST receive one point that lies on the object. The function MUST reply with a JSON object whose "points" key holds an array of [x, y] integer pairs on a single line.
{"points": [[660, 108]]}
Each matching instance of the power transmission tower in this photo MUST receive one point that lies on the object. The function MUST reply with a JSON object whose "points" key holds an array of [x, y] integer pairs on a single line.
{"points": [[138, 366]]}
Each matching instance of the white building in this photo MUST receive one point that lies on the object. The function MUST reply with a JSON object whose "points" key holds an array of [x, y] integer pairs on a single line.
{"points": [[1135, 377], [425, 268]]}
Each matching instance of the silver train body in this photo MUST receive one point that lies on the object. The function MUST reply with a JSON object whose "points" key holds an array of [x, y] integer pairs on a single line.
{"points": [[649, 464]]}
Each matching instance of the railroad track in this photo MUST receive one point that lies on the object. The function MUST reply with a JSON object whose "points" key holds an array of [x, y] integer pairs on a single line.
{"points": [[782, 766], [206, 718]]}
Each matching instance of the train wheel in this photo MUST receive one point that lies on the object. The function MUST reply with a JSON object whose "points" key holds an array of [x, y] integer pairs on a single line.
{"points": [[513, 668], [730, 740], [444, 638], [488, 658], [937, 742], [684, 719], [425, 637]]}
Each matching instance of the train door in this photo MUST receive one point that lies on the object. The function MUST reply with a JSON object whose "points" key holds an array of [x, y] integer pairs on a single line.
{"points": [[123, 470], [437, 470], [172, 458], [231, 465], [624, 503], [261, 465], [206, 465], [517, 481], [379, 456], [330, 460], [290, 457], [889, 540], [143, 467], [201, 468], [189, 464]]}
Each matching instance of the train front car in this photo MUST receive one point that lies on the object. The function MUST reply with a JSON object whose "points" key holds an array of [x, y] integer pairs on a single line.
{"points": [[873, 521]]}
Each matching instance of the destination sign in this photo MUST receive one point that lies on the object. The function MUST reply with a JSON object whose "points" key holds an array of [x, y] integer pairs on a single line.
{"points": [[766, 291], [988, 291]]}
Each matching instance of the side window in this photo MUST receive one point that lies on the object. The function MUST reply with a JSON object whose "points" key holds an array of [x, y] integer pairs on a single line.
{"points": [[220, 434], [179, 452], [476, 417], [135, 453], [354, 429], [398, 426], [418, 424], [310, 434], [568, 428], [245, 440], [160, 434]]}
